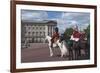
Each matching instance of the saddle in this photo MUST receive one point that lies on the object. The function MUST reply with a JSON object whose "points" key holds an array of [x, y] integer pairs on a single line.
{"points": [[53, 40]]}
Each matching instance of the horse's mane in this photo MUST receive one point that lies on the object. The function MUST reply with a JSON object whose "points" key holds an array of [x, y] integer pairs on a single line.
{"points": [[48, 37]]}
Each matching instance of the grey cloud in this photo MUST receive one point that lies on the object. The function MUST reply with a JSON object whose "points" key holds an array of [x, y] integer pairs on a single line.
{"points": [[33, 15]]}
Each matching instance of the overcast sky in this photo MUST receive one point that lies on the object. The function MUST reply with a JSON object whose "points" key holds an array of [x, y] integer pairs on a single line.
{"points": [[64, 19]]}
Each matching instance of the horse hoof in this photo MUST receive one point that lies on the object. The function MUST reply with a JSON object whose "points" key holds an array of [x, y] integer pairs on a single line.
{"points": [[51, 55], [61, 56]]}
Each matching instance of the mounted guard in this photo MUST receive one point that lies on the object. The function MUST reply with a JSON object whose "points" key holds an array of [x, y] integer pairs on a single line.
{"points": [[55, 36], [76, 34]]}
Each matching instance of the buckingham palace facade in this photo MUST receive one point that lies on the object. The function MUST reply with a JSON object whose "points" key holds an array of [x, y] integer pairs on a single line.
{"points": [[35, 32]]}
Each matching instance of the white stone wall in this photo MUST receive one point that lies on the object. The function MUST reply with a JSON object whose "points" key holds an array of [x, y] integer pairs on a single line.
{"points": [[36, 33]]}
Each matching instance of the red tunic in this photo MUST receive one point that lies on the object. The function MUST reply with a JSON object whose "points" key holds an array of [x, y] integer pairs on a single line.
{"points": [[55, 36], [76, 34]]}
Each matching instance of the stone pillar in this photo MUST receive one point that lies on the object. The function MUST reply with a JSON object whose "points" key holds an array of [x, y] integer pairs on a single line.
{"points": [[52, 30], [46, 30]]}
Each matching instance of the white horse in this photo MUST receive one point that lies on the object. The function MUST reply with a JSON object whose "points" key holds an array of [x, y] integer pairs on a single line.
{"points": [[62, 46]]}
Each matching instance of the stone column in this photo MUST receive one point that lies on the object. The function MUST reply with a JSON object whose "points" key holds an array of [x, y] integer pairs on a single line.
{"points": [[46, 30], [52, 30]]}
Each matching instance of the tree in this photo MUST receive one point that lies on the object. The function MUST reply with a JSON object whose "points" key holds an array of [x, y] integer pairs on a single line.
{"points": [[87, 31], [68, 32]]}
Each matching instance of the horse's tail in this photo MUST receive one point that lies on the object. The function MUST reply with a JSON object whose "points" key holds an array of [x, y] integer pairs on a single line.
{"points": [[64, 47]]}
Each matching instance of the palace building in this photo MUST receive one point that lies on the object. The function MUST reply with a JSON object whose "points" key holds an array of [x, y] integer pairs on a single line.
{"points": [[36, 31]]}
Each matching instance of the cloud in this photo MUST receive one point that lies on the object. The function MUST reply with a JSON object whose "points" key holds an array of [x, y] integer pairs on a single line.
{"points": [[54, 14], [33, 15], [69, 19], [80, 18], [64, 19]]}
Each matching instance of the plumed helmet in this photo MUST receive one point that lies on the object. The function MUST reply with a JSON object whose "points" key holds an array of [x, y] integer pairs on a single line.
{"points": [[75, 27], [56, 29]]}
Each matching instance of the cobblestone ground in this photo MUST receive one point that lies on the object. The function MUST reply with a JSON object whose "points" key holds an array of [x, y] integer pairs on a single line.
{"points": [[39, 52]]}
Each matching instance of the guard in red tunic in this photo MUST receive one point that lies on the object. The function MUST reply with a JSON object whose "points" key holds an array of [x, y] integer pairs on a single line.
{"points": [[55, 36], [76, 34]]}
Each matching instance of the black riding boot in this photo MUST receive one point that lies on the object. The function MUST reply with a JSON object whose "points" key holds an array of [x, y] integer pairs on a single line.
{"points": [[51, 45]]}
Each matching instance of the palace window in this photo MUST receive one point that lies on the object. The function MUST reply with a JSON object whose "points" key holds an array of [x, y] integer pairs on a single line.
{"points": [[40, 28], [33, 33], [33, 27], [29, 27], [28, 33], [44, 33], [36, 33], [44, 28], [36, 27], [40, 33]]}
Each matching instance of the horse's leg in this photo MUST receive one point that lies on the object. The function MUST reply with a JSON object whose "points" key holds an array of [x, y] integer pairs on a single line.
{"points": [[74, 54], [51, 52], [62, 54], [77, 53], [62, 49], [59, 44], [71, 53]]}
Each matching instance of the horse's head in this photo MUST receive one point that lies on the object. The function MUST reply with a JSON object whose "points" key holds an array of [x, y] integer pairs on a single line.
{"points": [[61, 39], [47, 38]]}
